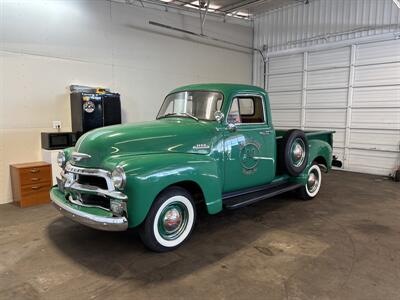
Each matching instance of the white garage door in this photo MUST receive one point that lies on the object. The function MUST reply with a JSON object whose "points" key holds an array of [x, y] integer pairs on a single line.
{"points": [[354, 90]]}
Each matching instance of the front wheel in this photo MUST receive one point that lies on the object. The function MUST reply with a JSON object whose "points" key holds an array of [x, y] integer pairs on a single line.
{"points": [[311, 188], [170, 220]]}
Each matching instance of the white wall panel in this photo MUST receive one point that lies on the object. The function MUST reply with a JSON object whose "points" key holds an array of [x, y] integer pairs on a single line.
{"points": [[331, 78], [339, 57], [378, 118], [385, 96], [67, 29], [285, 100], [286, 64], [379, 52], [285, 82], [327, 98], [286, 118], [365, 112], [327, 118], [386, 140], [377, 162], [382, 74]]}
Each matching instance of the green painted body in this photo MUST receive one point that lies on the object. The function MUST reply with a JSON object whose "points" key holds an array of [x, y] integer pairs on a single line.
{"points": [[162, 153]]}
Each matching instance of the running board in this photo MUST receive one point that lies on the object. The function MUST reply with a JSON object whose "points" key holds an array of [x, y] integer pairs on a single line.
{"points": [[243, 198]]}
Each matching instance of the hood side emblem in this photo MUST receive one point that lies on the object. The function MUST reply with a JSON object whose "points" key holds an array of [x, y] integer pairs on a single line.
{"points": [[76, 156], [201, 147]]}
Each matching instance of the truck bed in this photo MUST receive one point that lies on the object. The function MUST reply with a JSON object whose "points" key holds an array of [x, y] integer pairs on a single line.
{"points": [[324, 135]]}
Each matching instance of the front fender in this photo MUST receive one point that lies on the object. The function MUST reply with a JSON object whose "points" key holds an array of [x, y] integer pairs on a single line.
{"points": [[148, 175]]}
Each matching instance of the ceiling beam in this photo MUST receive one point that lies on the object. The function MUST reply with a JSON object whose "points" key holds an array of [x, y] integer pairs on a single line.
{"points": [[240, 5]]}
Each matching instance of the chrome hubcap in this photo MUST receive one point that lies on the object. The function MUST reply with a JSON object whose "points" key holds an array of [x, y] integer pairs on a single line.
{"points": [[173, 221], [298, 152], [312, 181]]}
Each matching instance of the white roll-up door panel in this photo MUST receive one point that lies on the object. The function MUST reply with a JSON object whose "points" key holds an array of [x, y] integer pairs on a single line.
{"points": [[354, 90]]}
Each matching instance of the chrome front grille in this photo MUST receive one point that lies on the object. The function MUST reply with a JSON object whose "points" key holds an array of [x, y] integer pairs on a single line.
{"points": [[89, 187]]}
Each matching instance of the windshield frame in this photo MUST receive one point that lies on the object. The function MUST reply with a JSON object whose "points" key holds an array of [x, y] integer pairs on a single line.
{"points": [[182, 115]]}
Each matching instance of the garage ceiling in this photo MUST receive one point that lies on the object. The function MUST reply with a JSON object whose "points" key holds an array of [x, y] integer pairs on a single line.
{"points": [[235, 8]]}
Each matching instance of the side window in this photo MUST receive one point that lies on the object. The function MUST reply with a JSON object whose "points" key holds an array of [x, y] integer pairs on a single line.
{"points": [[246, 110]]}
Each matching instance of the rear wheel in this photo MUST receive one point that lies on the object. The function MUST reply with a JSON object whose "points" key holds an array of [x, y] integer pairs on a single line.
{"points": [[170, 220], [314, 180]]}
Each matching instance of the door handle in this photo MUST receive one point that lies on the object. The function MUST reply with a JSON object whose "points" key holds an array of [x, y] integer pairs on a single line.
{"points": [[265, 132]]}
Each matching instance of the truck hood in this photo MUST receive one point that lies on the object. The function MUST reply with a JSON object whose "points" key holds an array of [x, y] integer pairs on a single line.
{"points": [[169, 135]]}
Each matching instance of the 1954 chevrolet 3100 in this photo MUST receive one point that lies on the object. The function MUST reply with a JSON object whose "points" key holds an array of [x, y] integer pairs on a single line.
{"points": [[211, 144]]}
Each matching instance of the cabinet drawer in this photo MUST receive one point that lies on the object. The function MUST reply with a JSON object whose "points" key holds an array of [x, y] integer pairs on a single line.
{"points": [[28, 190], [35, 175], [35, 199]]}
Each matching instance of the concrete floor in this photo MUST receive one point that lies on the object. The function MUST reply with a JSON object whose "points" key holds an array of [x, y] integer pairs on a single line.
{"points": [[343, 245]]}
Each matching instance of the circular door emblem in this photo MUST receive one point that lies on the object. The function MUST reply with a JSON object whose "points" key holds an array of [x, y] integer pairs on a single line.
{"points": [[88, 106], [247, 154]]}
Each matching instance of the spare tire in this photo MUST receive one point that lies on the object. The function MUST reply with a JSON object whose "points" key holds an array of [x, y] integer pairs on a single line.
{"points": [[295, 152]]}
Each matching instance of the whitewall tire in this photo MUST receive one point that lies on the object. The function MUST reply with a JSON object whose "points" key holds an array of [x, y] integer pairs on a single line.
{"points": [[313, 185], [170, 220]]}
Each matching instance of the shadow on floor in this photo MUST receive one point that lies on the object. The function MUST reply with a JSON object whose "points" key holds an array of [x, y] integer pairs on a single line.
{"points": [[122, 255]]}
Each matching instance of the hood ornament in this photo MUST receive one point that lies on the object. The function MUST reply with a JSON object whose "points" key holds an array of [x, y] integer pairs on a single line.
{"points": [[76, 156]]}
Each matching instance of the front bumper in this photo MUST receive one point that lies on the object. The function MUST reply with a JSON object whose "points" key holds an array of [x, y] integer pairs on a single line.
{"points": [[91, 217]]}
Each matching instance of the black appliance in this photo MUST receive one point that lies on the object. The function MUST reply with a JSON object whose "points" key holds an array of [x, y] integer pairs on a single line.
{"points": [[58, 140], [94, 110]]}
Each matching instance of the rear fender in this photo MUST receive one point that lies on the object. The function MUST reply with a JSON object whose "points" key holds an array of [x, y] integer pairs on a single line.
{"points": [[317, 149], [148, 175]]}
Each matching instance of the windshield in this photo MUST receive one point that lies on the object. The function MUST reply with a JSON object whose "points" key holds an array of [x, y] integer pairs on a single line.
{"points": [[192, 104]]}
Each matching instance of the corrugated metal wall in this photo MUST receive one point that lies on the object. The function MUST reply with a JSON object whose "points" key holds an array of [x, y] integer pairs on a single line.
{"points": [[325, 20], [349, 84]]}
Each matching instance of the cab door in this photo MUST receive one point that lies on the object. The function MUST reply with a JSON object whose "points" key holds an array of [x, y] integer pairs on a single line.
{"points": [[249, 144]]}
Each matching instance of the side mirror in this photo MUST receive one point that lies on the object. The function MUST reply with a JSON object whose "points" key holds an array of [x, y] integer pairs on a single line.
{"points": [[231, 127], [219, 116]]}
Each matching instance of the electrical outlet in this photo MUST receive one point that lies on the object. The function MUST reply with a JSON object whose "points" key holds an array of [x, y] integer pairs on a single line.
{"points": [[57, 124]]}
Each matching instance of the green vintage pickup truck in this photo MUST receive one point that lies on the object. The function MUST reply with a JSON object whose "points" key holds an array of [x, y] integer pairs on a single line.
{"points": [[211, 144]]}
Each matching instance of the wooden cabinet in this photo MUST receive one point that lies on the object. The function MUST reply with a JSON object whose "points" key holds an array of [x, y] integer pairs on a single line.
{"points": [[31, 183]]}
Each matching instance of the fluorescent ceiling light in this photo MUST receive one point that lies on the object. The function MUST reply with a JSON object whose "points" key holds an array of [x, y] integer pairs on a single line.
{"points": [[397, 2], [166, 1]]}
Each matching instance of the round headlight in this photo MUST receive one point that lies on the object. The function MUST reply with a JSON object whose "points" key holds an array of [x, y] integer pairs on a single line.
{"points": [[118, 178], [61, 159]]}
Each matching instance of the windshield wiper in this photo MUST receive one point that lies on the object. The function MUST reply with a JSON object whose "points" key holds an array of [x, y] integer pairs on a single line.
{"points": [[179, 114]]}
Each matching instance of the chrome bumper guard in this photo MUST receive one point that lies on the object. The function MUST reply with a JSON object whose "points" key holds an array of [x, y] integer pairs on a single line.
{"points": [[93, 221]]}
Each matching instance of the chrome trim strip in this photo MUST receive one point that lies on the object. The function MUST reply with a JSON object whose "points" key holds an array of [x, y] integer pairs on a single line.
{"points": [[93, 190], [78, 202], [91, 172], [97, 222]]}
